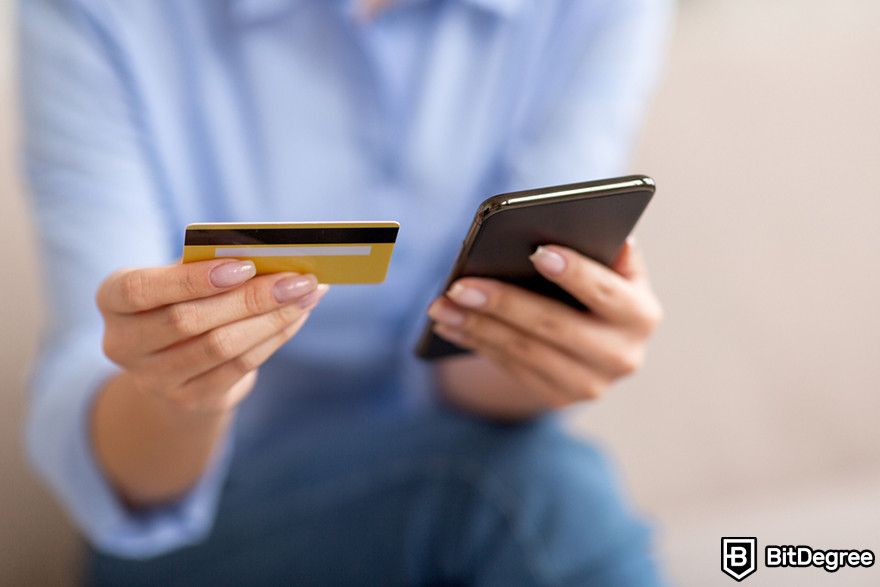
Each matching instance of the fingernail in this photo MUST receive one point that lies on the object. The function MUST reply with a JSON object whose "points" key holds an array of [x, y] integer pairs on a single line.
{"points": [[293, 287], [443, 314], [469, 297], [314, 296], [234, 273], [548, 261]]}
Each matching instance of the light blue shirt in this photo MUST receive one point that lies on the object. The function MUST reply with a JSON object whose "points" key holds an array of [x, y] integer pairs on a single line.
{"points": [[144, 115]]}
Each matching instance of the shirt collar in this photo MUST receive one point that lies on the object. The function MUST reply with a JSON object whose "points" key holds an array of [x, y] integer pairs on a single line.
{"points": [[250, 11]]}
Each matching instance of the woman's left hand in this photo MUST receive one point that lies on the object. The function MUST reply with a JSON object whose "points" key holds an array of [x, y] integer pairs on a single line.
{"points": [[558, 354]]}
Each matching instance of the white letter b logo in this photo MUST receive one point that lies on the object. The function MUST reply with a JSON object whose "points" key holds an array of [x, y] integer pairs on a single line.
{"points": [[738, 557]]}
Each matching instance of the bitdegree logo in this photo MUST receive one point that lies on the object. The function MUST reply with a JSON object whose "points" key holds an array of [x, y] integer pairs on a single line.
{"points": [[806, 556], [739, 557]]}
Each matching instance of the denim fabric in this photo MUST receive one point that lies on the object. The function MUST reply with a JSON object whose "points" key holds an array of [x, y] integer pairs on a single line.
{"points": [[438, 498]]}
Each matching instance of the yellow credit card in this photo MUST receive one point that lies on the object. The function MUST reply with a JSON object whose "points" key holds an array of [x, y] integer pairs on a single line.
{"points": [[335, 252]]}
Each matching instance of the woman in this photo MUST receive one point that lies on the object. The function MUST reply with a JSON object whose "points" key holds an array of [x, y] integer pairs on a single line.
{"points": [[206, 426]]}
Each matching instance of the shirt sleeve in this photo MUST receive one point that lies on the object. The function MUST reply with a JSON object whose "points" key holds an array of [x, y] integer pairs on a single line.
{"points": [[592, 85], [97, 208]]}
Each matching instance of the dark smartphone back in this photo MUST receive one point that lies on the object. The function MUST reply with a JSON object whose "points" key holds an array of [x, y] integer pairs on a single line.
{"points": [[593, 218]]}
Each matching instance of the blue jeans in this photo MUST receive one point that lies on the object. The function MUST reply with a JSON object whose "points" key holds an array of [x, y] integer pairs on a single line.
{"points": [[433, 499]]}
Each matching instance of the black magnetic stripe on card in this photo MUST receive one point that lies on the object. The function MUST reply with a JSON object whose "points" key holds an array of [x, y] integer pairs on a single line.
{"points": [[290, 236]]}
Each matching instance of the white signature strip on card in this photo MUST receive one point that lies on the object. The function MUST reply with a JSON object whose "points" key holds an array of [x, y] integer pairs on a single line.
{"points": [[297, 251]]}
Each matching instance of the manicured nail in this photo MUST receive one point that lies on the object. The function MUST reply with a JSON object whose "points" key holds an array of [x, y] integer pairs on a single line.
{"points": [[548, 261], [234, 273], [313, 297], [443, 314], [290, 288], [469, 297]]}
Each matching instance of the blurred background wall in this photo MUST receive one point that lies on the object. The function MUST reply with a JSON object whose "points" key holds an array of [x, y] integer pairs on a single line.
{"points": [[757, 412]]}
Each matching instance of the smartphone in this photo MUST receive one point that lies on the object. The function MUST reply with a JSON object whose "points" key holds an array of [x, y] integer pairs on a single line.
{"points": [[593, 218]]}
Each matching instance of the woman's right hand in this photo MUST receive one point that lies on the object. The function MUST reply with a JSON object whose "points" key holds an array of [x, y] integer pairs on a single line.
{"points": [[195, 334], [189, 339]]}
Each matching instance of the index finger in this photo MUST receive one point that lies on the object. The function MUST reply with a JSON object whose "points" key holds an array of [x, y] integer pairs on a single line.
{"points": [[136, 290]]}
